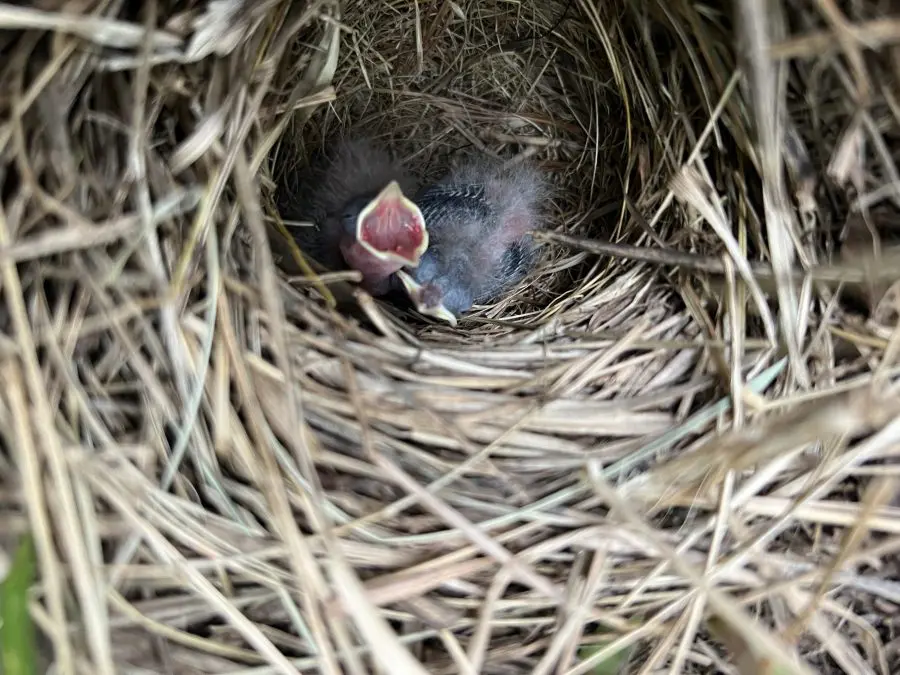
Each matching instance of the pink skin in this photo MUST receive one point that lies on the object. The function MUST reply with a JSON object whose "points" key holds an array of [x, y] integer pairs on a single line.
{"points": [[391, 237], [375, 271]]}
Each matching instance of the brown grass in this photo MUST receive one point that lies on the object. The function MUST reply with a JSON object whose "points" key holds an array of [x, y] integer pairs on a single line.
{"points": [[677, 436]]}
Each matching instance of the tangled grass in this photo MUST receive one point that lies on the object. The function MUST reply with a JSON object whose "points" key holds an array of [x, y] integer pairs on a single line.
{"points": [[671, 449]]}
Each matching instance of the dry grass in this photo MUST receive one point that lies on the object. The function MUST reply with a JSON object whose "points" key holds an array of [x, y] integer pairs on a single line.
{"points": [[677, 436]]}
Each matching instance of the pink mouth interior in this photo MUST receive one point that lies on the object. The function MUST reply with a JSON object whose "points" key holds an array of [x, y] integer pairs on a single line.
{"points": [[392, 227]]}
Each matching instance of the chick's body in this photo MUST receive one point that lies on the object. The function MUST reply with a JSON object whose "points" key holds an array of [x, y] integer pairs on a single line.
{"points": [[328, 197], [479, 220]]}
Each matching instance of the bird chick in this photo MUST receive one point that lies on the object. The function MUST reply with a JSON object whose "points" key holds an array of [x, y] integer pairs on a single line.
{"points": [[354, 197], [479, 217]]}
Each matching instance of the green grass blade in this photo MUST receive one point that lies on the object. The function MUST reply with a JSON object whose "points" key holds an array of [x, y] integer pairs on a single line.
{"points": [[17, 637]]}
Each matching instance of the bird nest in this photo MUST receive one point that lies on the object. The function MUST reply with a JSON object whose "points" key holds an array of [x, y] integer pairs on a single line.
{"points": [[669, 449]]}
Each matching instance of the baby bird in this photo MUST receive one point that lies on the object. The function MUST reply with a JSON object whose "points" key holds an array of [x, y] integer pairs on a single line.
{"points": [[354, 196], [479, 217]]}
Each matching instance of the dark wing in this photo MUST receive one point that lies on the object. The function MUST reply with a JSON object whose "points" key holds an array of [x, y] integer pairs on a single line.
{"points": [[454, 213], [516, 261]]}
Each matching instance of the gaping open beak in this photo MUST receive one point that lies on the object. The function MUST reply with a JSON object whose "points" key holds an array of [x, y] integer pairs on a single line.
{"points": [[392, 228], [415, 292]]}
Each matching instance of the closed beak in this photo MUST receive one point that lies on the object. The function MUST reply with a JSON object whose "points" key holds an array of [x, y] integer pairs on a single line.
{"points": [[391, 228], [414, 290]]}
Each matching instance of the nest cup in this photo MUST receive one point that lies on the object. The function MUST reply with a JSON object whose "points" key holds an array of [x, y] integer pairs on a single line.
{"points": [[470, 82], [668, 449]]}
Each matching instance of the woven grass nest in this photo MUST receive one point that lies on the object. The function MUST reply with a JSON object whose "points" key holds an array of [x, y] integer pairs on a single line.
{"points": [[672, 449]]}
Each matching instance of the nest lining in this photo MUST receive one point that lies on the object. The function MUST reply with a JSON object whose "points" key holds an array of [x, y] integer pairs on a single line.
{"points": [[181, 418]]}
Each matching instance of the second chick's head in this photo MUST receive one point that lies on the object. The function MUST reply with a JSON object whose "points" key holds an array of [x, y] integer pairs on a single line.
{"points": [[440, 286]]}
